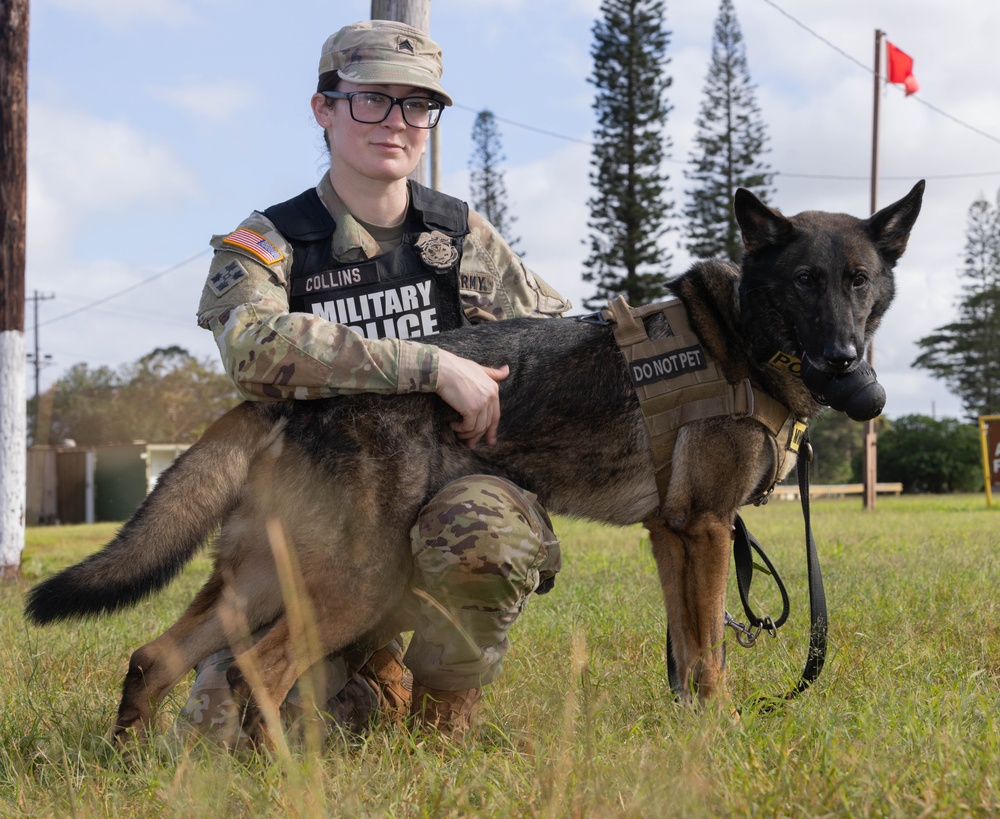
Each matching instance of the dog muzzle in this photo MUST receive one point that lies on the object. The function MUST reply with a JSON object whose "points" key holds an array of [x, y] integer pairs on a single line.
{"points": [[856, 393]]}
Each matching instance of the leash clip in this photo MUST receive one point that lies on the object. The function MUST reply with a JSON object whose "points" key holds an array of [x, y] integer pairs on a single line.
{"points": [[597, 317], [747, 636]]}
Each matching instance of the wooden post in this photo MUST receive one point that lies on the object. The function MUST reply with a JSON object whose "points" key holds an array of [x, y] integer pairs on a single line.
{"points": [[416, 13], [436, 157], [870, 452], [13, 202]]}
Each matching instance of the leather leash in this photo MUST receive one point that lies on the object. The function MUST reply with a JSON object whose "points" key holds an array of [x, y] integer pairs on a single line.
{"points": [[743, 544]]}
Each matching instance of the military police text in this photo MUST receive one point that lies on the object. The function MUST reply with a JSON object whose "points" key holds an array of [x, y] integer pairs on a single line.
{"points": [[396, 312]]}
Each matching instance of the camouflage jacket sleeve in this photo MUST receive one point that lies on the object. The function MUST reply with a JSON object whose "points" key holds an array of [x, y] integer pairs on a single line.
{"points": [[270, 353], [496, 284]]}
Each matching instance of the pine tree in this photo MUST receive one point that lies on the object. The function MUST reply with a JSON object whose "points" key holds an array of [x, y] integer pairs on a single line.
{"points": [[629, 215], [729, 142], [966, 353], [486, 180]]}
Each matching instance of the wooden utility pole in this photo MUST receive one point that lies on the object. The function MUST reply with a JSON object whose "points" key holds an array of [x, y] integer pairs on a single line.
{"points": [[869, 461], [13, 203], [416, 13], [36, 359]]}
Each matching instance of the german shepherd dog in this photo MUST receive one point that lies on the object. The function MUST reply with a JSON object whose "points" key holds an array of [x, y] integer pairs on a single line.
{"points": [[346, 477]]}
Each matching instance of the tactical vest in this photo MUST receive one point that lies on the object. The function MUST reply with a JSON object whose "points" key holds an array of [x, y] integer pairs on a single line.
{"points": [[677, 383], [409, 292]]}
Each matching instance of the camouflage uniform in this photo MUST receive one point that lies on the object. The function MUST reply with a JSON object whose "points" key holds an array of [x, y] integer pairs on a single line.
{"points": [[271, 353], [482, 545]]}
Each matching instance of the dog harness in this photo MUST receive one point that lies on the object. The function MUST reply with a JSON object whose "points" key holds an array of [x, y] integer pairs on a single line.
{"points": [[678, 383]]}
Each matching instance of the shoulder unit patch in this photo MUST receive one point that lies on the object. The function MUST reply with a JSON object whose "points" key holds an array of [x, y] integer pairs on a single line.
{"points": [[223, 280], [255, 244]]}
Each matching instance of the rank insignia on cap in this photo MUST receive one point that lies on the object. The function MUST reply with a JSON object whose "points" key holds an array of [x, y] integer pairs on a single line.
{"points": [[222, 280], [255, 244]]}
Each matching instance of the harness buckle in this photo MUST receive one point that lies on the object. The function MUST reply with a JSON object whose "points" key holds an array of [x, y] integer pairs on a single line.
{"points": [[747, 390]]}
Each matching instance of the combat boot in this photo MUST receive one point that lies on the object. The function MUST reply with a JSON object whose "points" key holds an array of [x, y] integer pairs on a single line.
{"points": [[452, 713], [386, 673]]}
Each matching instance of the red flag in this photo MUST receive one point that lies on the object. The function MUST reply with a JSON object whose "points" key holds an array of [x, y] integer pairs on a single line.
{"points": [[901, 68]]}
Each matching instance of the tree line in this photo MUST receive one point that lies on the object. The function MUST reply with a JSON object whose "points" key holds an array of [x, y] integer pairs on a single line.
{"points": [[922, 453], [166, 396]]}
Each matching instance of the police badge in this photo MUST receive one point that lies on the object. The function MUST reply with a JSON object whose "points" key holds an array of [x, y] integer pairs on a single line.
{"points": [[437, 250]]}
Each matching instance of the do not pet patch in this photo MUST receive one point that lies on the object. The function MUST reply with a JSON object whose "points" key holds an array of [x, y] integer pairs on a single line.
{"points": [[668, 365]]}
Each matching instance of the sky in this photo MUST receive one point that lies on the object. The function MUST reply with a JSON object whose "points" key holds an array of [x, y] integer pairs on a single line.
{"points": [[154, 124]]}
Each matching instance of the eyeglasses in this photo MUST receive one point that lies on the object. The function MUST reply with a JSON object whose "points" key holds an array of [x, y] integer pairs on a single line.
{"points": [[371, 107]]}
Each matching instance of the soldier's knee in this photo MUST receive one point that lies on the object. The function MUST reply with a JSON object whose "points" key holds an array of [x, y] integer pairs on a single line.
{"points": [[483, 537]]}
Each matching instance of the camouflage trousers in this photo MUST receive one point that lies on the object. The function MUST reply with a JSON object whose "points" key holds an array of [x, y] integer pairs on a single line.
{"points": [[481, 547]]}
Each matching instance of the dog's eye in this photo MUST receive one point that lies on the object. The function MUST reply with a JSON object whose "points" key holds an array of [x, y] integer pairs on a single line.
{"points": [[860, 280], [804, 278]]}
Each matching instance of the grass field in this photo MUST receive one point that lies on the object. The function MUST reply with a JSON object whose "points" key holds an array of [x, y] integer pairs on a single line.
{"points": [[904, 721]]}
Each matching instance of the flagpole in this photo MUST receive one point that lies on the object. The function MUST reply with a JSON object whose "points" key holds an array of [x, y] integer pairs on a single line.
{"points": [[869, 459], [879, 34]]}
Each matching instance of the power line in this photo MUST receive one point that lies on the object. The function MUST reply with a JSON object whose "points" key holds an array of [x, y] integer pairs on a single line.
{"points": [[135, 286], [974, 175], [36, 358], [977, 175], [527, 127], [955, 119], [579, 141], [148, 316], [819, 37], [869, 70]]}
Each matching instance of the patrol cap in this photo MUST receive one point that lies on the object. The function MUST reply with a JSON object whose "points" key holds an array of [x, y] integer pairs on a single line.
{"points": [[383, 52]]}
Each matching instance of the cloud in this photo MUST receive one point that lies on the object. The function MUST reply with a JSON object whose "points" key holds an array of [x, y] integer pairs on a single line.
{"points": [[155, 314], [217, 102], [588, 7], [121, 13], [549, 198], [81, 167]]}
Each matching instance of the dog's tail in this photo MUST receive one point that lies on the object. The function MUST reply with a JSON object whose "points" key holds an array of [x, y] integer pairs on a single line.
{"points": [[190, 499]]}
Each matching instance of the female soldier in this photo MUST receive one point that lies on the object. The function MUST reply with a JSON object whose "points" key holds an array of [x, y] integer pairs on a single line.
{"points": [[333, 292]]}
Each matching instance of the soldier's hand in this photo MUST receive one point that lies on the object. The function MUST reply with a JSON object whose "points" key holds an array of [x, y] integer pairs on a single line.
{"points": [[471, 390]]}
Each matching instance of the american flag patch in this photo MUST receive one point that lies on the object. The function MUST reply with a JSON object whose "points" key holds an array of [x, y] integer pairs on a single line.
{"points": [[255, 244]]}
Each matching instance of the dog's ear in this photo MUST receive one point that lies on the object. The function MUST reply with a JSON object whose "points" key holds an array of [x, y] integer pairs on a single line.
{"points": [[890, 227], [761, 226]]}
